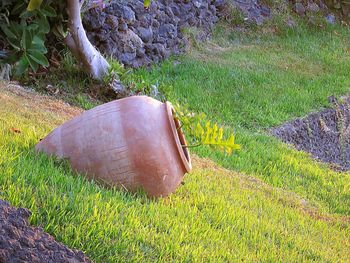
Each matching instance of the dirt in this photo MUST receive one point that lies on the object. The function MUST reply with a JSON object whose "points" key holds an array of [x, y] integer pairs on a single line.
{"points": [[29, 100], [20, 242], [325, 134]]}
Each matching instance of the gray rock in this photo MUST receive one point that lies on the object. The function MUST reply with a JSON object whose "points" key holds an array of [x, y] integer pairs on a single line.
{"points": [[146, 34], [138, 36], [299, 8], [330, 19], [167, 31], [291, 22], [112, 21], [128, 14], [312, 7], [123, 26], [127, 58], [220, 4]]}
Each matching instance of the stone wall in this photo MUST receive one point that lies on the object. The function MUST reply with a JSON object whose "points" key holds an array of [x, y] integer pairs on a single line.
{"points": [[137, 36]]}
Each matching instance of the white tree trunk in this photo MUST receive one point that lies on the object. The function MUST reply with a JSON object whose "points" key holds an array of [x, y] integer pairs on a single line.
{"points": [[91, 59]]}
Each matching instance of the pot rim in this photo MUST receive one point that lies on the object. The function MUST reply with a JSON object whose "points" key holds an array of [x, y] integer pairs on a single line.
{"points": [[179, 138]]}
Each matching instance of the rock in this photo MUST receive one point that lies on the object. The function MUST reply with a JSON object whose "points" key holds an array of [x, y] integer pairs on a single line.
{"points": [[146, 34], [291, 22], [253, 11], [299, 8], [112, 21], [123, 26], [220, 4], [127, 58], [157, 30], [265, 11], [167, 31], [330, 19], [127, 14], [124, 30], [96, 20], [312, 7]]}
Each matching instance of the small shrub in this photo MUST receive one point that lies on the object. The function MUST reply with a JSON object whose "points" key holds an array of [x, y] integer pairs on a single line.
{"points": [[24, 27]]}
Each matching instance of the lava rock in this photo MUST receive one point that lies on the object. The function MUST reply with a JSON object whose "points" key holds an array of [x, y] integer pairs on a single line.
{"points": [[299, 8], [312, 7], [330, 19], [137, 36], [146, 34]]}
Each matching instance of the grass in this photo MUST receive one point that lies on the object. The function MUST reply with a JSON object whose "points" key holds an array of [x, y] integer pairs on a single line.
{"points": [[284, 208], [218, 215], [253, 85]]}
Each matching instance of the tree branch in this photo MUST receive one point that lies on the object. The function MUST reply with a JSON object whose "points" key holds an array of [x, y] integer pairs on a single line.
{"points": [[93, 62]]}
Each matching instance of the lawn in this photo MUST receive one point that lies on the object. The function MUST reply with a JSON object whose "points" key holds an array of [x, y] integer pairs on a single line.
{"points": [[266, 203], [253, 85]]}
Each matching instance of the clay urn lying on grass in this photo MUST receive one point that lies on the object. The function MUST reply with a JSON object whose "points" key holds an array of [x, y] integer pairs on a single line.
{"points": [[131, 143]]}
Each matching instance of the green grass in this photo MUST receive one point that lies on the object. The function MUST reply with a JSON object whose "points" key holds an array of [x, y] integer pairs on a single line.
{"points": [[218, 215], [252, 85], [297, 211]]}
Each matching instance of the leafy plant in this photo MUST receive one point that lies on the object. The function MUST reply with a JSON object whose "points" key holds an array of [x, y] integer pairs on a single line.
{"points": [[26, 35], [202, 131]]}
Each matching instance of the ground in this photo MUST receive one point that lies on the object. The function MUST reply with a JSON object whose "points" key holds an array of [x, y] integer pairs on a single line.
{"points": [[267, 202], [324, 134]]}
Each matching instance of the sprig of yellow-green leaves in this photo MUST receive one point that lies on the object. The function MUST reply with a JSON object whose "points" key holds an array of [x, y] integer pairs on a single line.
{"points": [[202, 131]]}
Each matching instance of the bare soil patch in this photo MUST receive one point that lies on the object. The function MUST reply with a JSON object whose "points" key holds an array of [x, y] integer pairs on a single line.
{"points": [[325, 134], [19, 242]]}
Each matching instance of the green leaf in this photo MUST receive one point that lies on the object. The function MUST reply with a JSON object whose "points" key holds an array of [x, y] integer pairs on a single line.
{"points": [[44, 26], [19, 8], [48, 11], [39, 48], [27, 14], [38, 57], [38, 44], [32, 63], [22, 66], [8, 32], [15, 43], [27, 39], [146, 3], [199, 131], [38, 40], [214, 133], [221, 134], [32, 27], [16, 29], [34, 4]]}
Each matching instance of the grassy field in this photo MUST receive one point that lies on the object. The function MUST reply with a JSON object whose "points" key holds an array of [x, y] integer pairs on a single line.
{"points": [[270, 204]]}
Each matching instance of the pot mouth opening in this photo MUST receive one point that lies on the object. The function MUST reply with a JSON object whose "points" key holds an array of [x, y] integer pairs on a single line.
{"points": [[179, 137]]}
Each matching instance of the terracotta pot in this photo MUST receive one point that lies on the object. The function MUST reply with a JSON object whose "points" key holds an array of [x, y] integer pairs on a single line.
{"points": [[133, 143]]}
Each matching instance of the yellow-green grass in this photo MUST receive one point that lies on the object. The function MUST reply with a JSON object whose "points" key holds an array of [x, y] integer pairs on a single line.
{"points": [[253, 84], [217, 216]]}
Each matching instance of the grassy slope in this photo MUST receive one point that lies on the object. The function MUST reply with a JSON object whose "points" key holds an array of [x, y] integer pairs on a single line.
{"points": [[251, 85], [218, 215]]}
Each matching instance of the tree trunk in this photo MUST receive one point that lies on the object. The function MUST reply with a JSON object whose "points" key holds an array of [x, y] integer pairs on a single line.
{"points": [[91, 59]]}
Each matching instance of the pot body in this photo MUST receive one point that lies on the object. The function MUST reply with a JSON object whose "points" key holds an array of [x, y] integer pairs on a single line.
{"points": [[132, 143]]}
